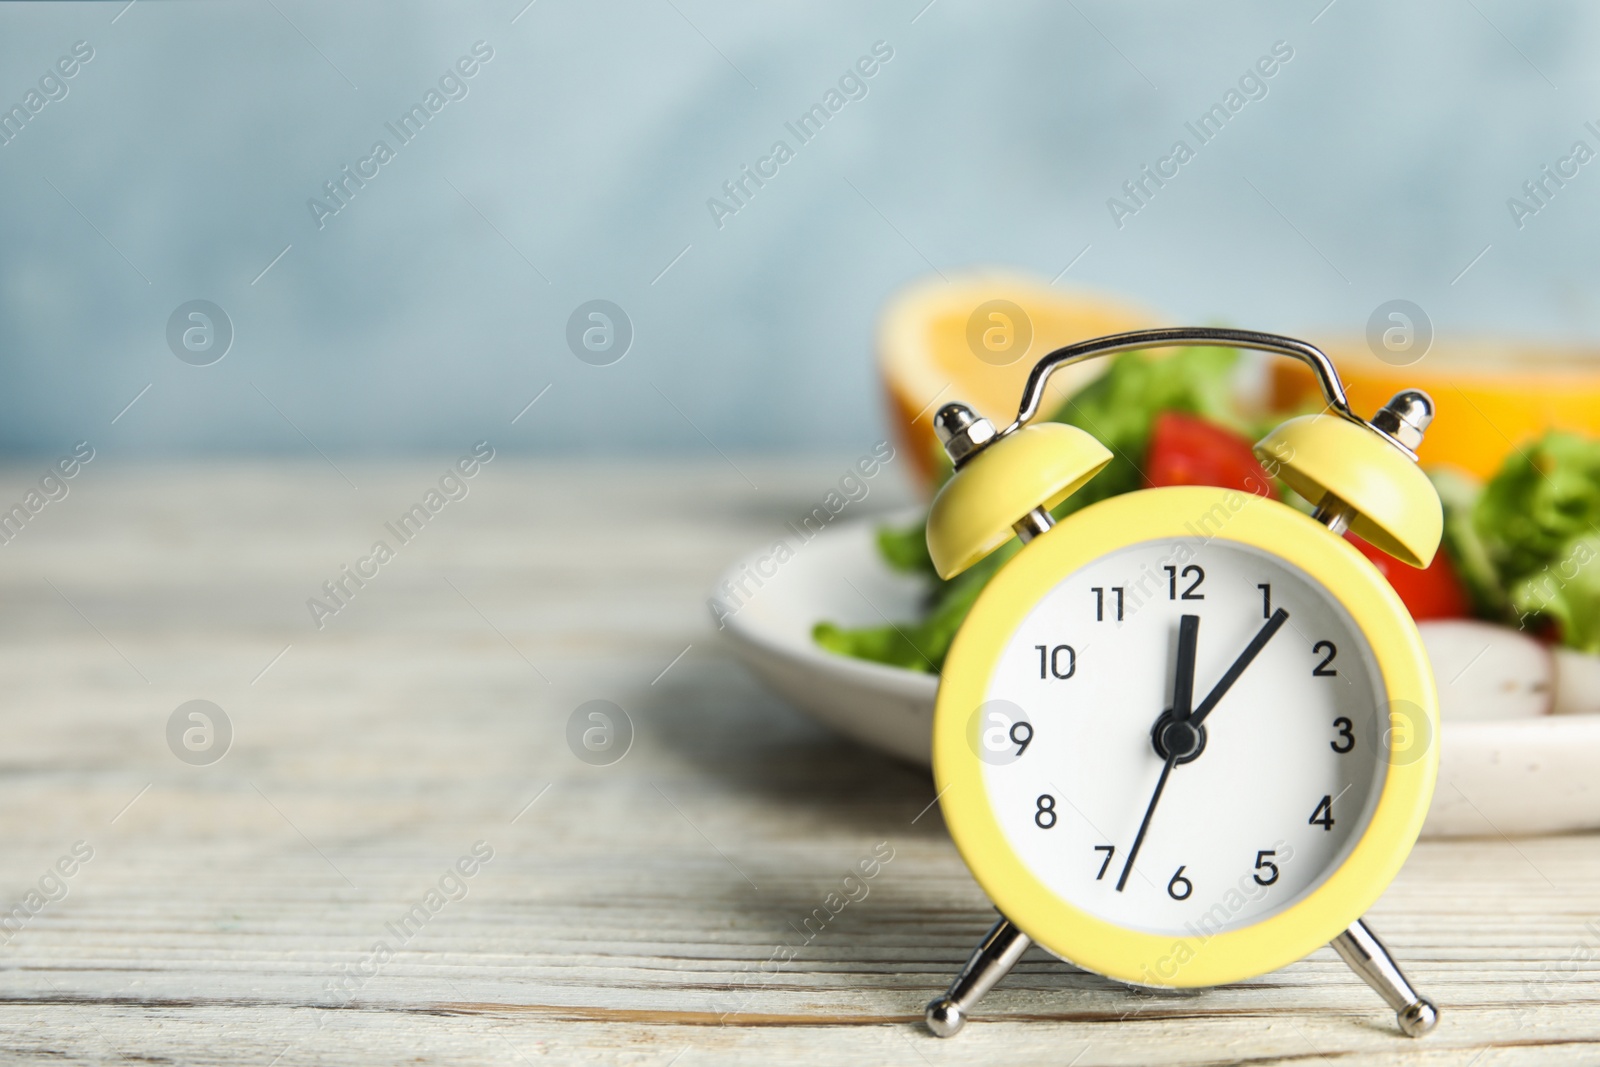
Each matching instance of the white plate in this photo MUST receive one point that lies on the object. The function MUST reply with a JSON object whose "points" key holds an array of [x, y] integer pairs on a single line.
{"points": [[1513, 776]]}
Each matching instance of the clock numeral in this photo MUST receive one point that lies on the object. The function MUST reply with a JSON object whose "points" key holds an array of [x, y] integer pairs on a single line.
{"points": [[1199, 576], [1180, 887], [1264, 863], [1109, 850], [1019, 733], [1100, 602], [1323, 816], [1266, 599], [1325, 669], [1344, 726], [1050, 658], [1044, 815]]}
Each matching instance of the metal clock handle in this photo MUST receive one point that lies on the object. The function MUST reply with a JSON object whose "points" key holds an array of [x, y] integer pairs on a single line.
{"points": [[1174, 336]]}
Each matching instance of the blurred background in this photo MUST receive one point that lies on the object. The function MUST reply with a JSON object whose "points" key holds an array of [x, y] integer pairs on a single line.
{"points": [[584, 157]]}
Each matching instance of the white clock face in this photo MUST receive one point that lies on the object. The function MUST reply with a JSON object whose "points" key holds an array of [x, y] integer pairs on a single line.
{"points": [[1285, 689]]}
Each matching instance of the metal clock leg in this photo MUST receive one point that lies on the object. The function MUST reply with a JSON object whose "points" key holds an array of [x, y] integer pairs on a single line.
{"points": [[995, 955], [1366, 956]]}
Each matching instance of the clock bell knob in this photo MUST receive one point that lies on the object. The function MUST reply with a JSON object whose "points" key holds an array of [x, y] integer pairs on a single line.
{"points": [[1364, 476], [1406, 417], [962, 431]]}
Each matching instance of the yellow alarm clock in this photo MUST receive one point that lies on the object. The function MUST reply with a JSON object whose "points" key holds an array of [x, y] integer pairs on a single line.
{"points": [[1186, 735]]}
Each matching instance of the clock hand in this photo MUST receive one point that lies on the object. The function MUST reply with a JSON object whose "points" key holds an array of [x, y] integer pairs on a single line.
{"points": [[1257, 643], [1182, 700], [1183, 681], [1161, 783]]}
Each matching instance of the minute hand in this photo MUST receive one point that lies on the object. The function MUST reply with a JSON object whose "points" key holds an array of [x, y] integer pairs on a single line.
{"points": [[1257, 643]]}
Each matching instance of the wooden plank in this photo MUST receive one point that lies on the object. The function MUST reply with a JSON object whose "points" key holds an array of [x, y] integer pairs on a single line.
{"points": [[632, 912]]}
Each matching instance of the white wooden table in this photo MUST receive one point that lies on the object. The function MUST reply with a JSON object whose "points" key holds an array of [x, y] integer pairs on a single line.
{"points": [[627, 909]]}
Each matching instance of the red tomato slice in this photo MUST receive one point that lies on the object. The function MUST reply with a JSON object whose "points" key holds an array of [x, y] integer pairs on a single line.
{"points": [[1189, 450], [1433, 593]]}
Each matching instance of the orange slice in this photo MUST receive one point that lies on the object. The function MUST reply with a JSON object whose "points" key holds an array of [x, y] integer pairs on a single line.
{"points": [[1492, 397], [974, 339]]}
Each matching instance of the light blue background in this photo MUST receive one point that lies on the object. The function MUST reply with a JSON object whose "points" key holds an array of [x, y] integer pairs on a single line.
{"points": [[1387, 149]]}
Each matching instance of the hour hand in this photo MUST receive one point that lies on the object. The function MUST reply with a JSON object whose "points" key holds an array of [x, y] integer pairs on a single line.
{"points": [[1253, 649]]}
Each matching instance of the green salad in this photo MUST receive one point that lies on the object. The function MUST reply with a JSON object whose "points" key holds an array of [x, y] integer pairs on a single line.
{"points": [[1517, 550], [1523, 543]]}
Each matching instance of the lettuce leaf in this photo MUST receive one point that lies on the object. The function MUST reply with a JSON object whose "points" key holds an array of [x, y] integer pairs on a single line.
{"points": [[1541, 499], [919, 645], [1567, 591], [1537, 522]]}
